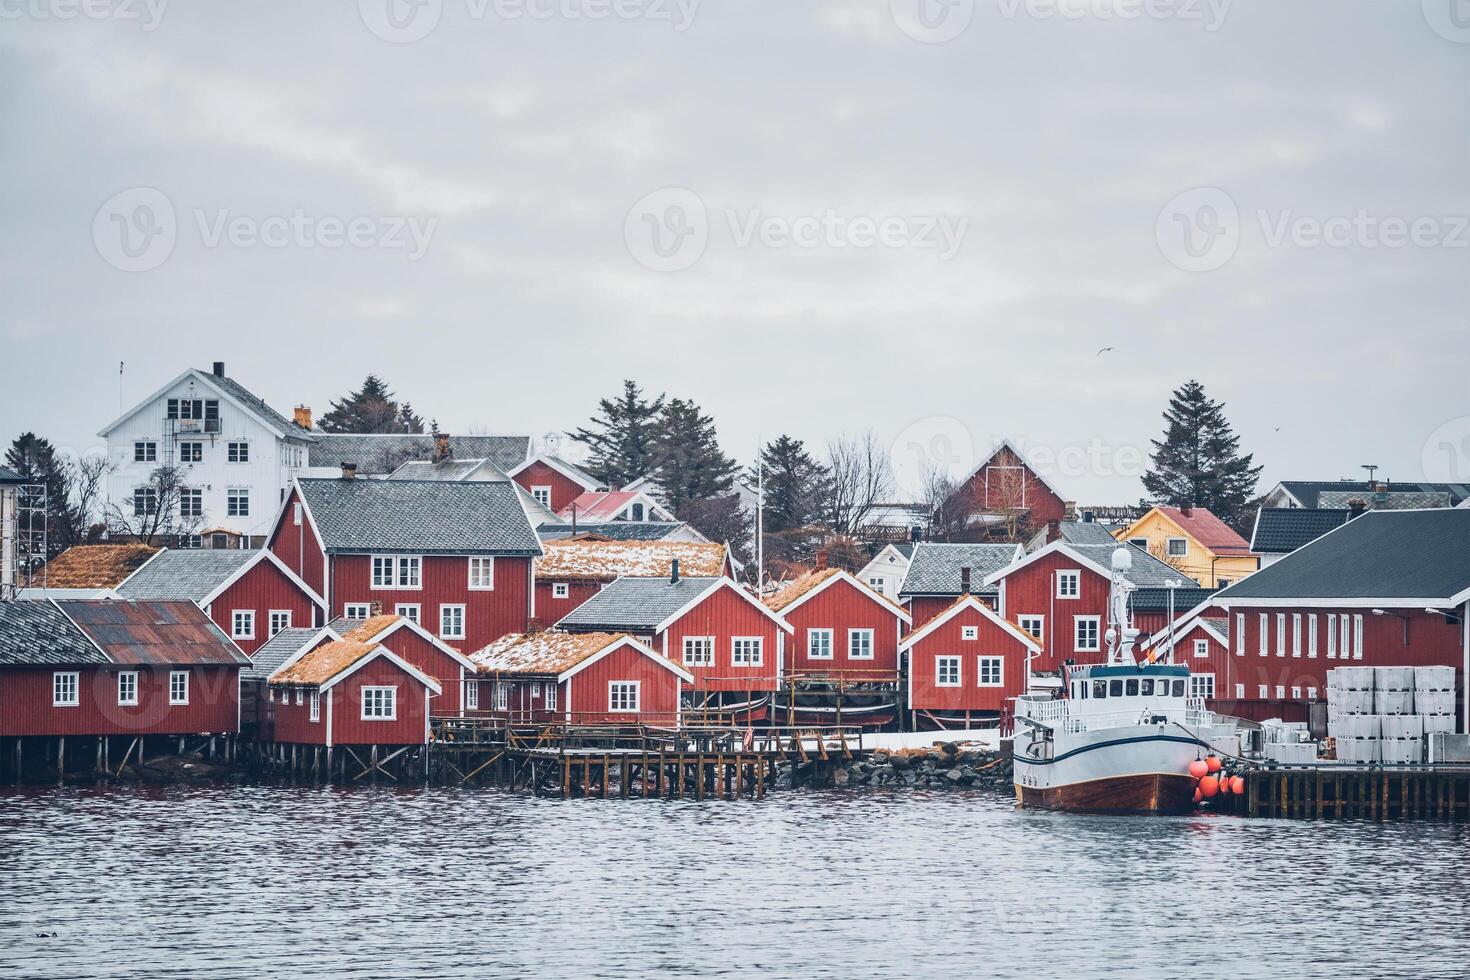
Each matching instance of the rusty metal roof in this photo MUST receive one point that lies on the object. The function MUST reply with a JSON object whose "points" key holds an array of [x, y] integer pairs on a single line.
{"points": [[161, 632]]}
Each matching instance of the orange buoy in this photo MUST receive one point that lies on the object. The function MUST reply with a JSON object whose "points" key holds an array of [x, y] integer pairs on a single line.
{"points": [[1209, 786], [1237, 784], [1224, 784], [1213, 763], [1198, 768], [1198, 795]]}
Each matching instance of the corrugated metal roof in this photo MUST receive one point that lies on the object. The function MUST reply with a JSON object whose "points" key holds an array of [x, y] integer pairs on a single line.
{"points": [[164, 633], [635, 605]]}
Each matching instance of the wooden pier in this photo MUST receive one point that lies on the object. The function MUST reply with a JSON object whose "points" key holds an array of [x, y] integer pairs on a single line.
{"points": [[1351, 793]]}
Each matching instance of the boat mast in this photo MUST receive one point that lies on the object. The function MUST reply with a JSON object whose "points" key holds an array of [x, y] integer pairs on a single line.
{"points": [[1121, 634]]}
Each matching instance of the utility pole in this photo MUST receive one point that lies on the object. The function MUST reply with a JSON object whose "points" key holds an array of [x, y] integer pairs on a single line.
{"points": [[760, 507]]}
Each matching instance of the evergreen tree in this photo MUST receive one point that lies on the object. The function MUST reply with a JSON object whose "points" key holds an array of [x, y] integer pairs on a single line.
{"points": [[722, 519], [1198, 462], [371, 409], [690, 463], [35, 461], [621, 436], [795, 485]]}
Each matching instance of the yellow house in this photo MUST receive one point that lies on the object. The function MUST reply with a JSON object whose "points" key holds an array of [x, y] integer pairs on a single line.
{"points": [[1196, 542]]}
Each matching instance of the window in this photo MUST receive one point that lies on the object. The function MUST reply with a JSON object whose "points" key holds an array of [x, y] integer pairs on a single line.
{"points": [[300, 696], [1178, 547], [397, 571], [1087, 628], [408, 610], [1280, 691], [379, 703], [145, 452], [635, 512], [970, 633], [145, 501], [1069, 583], [237, 502], [1344, 643], [946, 671], [1202, 686], [819, 644], [191, 502], [542, 496], [560, 590], [191, 452], [1358, 636], [1222, 583], [451, 622], [1140, 543], [1201, 648], [127, 687], [316, 706], [482, 573], [1263, 692], [194, 408], [296, 514], [1311, 694], [535, 690], [1265, 635], [1130, 687], [1296, 634], [178, 687], [280, 619], [699, 651], [876, 583], [1332, 636], [550, 697], [1281, 634], [1240, 692], [1240, 634], [64, 689], [238, 452], [242, 624], [502, 695], [1035, 625], [992, 671], [1312, 636], [622, 696], [860, 644], [1296, 693], [357, 610], [472, 695], [745, 651]]}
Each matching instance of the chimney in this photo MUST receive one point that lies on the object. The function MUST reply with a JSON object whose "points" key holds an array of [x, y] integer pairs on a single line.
{"points": [[674, 572], [965, 580], [1187, 510], [376, 607], [1089, 517], [303, 416], [1380, 494], [1356, 507], [441, 447], [821, 559], [916, 534], [219, 369], [1069, 510], [349, 471]]}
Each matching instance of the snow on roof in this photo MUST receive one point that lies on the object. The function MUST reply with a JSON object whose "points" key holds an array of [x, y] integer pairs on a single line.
{"points": [[324, 663], [607, 560], [550, 652]]}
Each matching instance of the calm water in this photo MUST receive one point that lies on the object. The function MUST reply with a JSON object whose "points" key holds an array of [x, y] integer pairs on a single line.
{"points": [[269, 882]]}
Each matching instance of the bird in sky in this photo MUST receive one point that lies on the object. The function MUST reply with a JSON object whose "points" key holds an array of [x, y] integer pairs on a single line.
{"points": [[1105, 350]]}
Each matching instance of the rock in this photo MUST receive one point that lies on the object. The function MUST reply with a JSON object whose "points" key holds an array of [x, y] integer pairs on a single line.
{"points": [[949, 748], [880, 758], [968, 755], [900, 762], [939, 756], [840, 777]]}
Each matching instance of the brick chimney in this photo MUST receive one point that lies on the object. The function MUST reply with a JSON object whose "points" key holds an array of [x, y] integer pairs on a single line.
{"points": [[441, 447], [303, 416], [376, 607], [674, 572], [965, 580], [349, 471], [219, 369], [1187, 510], [1356, 507], [821, 559]]}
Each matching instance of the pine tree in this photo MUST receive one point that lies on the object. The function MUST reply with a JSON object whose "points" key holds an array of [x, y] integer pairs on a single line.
{"points": [[795, 485], [690, 464], [621, 437], [1198, 462], [371, 408], [35, 461]]}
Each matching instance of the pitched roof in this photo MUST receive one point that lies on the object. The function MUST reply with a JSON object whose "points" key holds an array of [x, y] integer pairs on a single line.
{"points": [[619, 530], [1308, 492], [934, 569], [1201, 524], [636, 605], [1147, 571], [1384, 555], [606, 560], [448, 470], [10, 476], [571, 471], [602, 505], [363, 630], [278, 649], [961, 604], [1155, 599], [419, 517], [191, 574], [96, 566], [550, 652], [803, 587], [38, 633], [1280, 530], [232, 390], [1393, 500], [1084, 532], [149, 632], [376, 453], [324, 663]]}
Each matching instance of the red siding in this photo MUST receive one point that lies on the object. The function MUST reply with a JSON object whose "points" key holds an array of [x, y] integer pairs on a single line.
{"points": [[423, 655], [296, 546], [840, 607], [921, 609], [1031, 591], [725, 615], [262, 589], [947, 640], [26, 708], [549, 610], [994, 487], [658, 691], [489, 613], [293, 722], [563, 490]]}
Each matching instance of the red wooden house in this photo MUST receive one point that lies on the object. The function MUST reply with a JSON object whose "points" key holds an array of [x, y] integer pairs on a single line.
{"points": [[454, 556], [345, 692], [1005, 496], [579, 679], [571, 571], [940, 574], [964, 664], [842, 627], [554, 483], [421, 649], [731, 643], [251, 595]]}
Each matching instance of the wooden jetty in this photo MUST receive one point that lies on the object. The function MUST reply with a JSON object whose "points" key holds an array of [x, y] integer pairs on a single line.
{"points": [[1356, 793]]}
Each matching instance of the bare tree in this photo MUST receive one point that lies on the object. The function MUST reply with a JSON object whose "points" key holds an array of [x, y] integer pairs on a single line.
{"points": [[938, 494], [87, 476], [161, 511], [859, 477]]}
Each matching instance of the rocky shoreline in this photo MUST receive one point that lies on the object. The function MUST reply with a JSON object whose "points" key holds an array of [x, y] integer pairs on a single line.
{"points": [[948, 765]]}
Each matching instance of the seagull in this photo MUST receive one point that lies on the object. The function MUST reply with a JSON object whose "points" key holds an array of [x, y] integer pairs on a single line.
{"points": [[1105, 350]]}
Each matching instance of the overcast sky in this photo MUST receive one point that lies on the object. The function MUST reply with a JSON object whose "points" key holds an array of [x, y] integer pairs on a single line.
{"points": [[810, 216]]}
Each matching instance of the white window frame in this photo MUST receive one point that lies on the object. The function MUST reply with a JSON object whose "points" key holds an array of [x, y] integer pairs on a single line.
{"points": [[191, 452], [191, 502], [1332, 636], [853, 635], [823, 633], [472, 695], [237, 502], [1169, 544], [1312, 636], [1281, 634], [999, 666], [239, 617], [502, 695], [549, 703], [541, 493], [1198, 688], [1311, 694], [1039, 620], [411, 611], [1296, 635], [145, 451], [969, 632], [315, 707], [1096, 622], [364, 610], [1201, 649], [129, 697], [271, 628], [620, 691], [296, 512], [1240, 692], [1281, 692], [66, 689], [949, 664], [405, 573], [755, 659], [1073, 576], [237, 452], [1240, 634], [486, 566], [450, 630], [1296, 692], [1263, 692], [561, 590], [1357, 636], [382, 699], [1345, 638], [300, 696], [1265, 629], [178, 687], [699, 651]]}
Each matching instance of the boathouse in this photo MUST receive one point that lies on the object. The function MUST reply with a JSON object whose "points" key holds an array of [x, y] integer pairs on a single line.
{"points": [[349, 692], [964, 664], [421, 649], [571, 571]]}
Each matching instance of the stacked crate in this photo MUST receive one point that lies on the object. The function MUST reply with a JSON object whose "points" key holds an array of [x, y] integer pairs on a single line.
{"points": [[1384, 714], [1351, 721]]}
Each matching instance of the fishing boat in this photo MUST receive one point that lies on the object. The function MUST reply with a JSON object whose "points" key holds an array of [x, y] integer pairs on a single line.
{"points": [[1117, 737]]}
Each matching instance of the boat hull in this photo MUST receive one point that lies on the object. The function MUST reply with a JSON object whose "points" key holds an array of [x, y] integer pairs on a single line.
{"points": [[1161, 793]]}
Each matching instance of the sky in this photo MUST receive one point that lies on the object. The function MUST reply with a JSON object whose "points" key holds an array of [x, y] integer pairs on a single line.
{"points": [[944, 221]]}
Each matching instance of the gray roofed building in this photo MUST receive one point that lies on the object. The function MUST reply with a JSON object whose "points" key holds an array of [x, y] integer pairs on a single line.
{"points": [[1420, 556], [625, 531], [10, 476], [1308, 493], [936, 569], [1147, 571], [448, 470], [1282, 530], [1072, 532], [1154, 599], [357, 516], [257, 404], [1393, 500], [190, 574], [380, 454], [40, 634], [276, 651], [634, 605]]}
